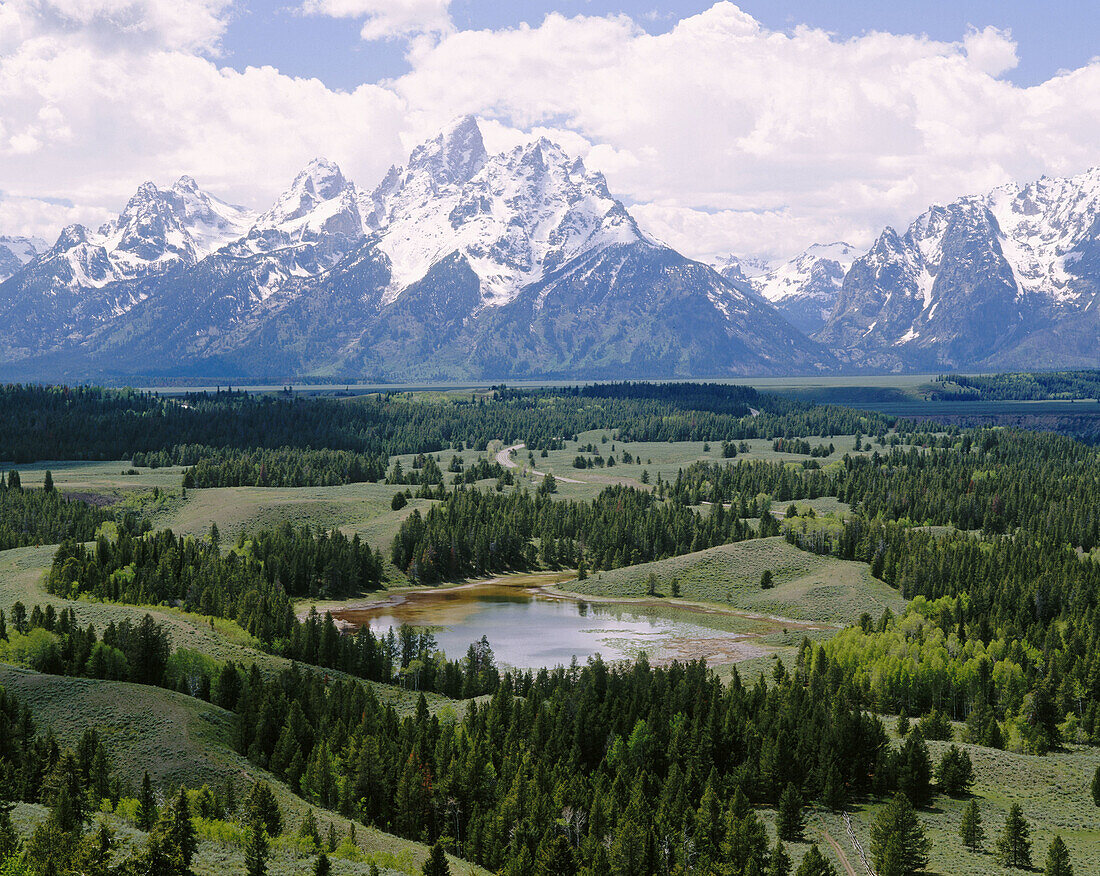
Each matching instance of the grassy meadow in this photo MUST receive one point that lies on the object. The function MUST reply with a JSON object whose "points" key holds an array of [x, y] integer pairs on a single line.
{"points": [[184, 740], [807, 586]]}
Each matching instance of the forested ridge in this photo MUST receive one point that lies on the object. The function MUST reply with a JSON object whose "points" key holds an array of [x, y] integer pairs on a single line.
{"points": [[1038, 386], [92, 423], [474, 532], [44, 516], [593, 769], [992, 534]]}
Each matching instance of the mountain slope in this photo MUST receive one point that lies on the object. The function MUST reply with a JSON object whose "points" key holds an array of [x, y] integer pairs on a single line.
{"points": [[16, 252], [804, 289], [1006, 279], [459, 264]]}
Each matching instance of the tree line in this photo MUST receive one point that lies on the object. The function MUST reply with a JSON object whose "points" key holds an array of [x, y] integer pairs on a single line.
{"points": [[474, 532], [39, 422], [44, 516]]}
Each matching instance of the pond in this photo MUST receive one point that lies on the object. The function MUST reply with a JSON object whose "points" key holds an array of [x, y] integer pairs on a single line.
{"points": [[528, 627]]}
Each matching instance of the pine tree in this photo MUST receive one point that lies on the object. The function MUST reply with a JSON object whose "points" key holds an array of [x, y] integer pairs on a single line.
{"points": [[915, 769], [308, 829], [98, 855], [1058, 862], [1096, 787], [834, 794], [899, 846], [323, 867], [333, 839], [179, 831], [955, 772], [47, 484], [147, 806], [555, 857], [262, 807], [9, 839], [1013, 845], [255, 849], [437, 865], [814, 864], [970, 828], [789, 818], [779, 864]]}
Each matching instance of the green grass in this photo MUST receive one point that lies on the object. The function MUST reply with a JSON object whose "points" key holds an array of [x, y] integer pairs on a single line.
{"points": [[22, 572], [365, 508], [1052, 789], [108, 478], [182, 741], [807, 586]]}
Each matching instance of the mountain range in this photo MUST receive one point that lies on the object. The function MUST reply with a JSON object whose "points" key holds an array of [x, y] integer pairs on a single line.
{"points": [[463, 264]]}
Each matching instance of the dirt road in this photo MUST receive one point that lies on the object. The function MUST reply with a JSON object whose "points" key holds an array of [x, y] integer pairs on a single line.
{"points": [[504, 457], [848, 868]]}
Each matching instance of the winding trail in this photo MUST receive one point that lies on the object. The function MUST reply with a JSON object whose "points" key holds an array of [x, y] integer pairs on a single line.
{"points": [[504, 457], [843, 858]]}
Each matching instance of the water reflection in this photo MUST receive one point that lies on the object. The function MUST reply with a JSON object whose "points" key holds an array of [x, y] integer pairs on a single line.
{"points": [[528, 628]]}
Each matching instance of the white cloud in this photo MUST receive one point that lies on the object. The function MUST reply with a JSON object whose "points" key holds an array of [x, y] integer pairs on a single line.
{"points": [[385, 19], [991, 50], [32, 217], [724, 116], [722, 135], [87, 122], [141, 24]]}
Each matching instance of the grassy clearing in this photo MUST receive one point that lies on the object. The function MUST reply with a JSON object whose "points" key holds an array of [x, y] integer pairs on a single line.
{"points": [[1053, 791], [247, 509], [22, 572], [807, 586], [112, 478], [184, 741]]}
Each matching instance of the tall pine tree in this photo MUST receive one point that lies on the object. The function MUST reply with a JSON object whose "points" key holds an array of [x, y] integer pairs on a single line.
{"points": [[1013, 845], [899, 846]]}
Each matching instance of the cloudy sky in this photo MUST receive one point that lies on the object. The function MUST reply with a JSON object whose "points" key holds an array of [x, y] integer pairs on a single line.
{"points": [[756, 128]]}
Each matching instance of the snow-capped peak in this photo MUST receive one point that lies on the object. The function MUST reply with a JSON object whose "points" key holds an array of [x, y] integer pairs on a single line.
{"points": [[805, 289], [158, 229], [513, 217], [1044, 226], [319, 201], [817, 272], [17, 251], [734, 267], [453, 155]]}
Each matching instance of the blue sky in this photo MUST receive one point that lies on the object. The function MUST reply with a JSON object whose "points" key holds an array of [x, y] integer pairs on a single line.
{"points": [[755, 128], [1051, 34]]}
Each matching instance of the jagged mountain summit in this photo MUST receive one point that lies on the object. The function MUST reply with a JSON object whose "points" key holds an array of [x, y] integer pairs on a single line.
{"points": [[466, 264], [16, 251], [88, 277], [459, 264], [513, 217], [157, 231], [805, 289], [1008, 279]]}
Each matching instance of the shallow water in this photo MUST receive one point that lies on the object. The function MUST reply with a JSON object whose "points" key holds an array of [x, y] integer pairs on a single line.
{"points": [[527, 628]]}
